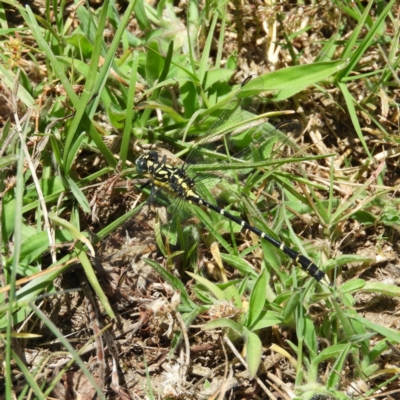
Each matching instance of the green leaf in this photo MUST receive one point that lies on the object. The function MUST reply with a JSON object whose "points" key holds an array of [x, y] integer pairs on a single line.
{"points": [[78, 194], [167, 61], [173, 280], [291, 305], [223, 323], [253, 353], [390, 334], [29, 377], [367, 40], [310, 338], [189, 98], [205, 54], [335, 375], [81, 42], [346, 259], [154, 62], [205, 219], [241, 265], [352, 328], [73, 151], [378, 349], [48, 53], [352, 286], [72, 230], [33, 247], [232, 293], [330, 352], [141, 16], [382, 288], [351, 107], [80, 251], [5, 161], [365, 217], [8, 215], [257, 299], [217, 75], [267, 319], [58, 149], [49, 186], [8, 78], [32, 289], [214, 289], [291, 80], [155, 105]]}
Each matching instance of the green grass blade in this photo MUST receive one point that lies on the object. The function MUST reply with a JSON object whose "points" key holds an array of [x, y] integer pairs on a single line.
{"points": [[291, 80], [30, 379], [203, 66], [49, 324], [92, 278], [19, 193], [350, 102], [257, 300], [367, 40]]}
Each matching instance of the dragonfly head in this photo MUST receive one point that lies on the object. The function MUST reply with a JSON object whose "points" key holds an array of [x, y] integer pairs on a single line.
{"points": [[142, 164], [146, 161]]}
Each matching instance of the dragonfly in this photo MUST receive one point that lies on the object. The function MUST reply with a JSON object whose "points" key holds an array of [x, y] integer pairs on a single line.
{"points": [[177, 181]]}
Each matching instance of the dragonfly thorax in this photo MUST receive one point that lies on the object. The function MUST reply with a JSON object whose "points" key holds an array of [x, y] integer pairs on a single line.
{"points": [[173, 179]]}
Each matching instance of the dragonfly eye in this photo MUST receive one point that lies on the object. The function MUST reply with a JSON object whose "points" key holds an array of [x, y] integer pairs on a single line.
{"points": [[153, 155], [141, 165]]}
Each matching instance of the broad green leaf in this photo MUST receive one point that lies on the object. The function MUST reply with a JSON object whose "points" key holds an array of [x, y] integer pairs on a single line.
{"points": [[8, 78], [253, 353], [346, 259], [33, 247], [81, 43], [154, 62], [330, 352], [310, 337], [189, 98], [291, 305], [217, 75], [268, 319], [5, 161], [291, 80], [382, 288], [352, 285], [257, 300]]}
